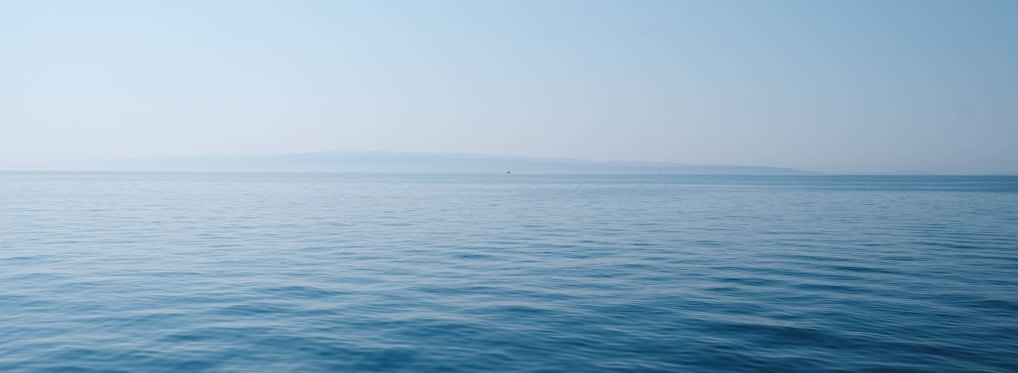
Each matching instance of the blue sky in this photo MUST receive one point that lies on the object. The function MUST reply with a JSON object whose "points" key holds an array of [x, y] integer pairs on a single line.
{"points": [[835, 86]]}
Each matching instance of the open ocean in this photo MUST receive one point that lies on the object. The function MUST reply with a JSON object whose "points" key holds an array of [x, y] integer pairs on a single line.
{"points": [[150, 272]]}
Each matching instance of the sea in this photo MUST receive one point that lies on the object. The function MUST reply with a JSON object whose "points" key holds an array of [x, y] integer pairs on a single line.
{"points": [[277, 272]]}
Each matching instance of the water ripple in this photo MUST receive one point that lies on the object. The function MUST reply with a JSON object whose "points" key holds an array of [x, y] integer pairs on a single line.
{"points": [[444, 273]]}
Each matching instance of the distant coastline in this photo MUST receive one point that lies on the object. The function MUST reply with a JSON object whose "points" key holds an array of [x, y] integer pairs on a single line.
{"points": [[398, 162]]}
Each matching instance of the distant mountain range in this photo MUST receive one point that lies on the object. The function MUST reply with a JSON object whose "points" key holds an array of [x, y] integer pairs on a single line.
{"points": [[397, 162]]}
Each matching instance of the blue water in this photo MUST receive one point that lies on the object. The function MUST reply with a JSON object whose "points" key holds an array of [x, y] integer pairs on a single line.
{"points": [[125, 272]]}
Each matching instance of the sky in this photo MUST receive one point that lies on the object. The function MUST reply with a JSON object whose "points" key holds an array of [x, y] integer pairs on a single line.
{"points": [[833, 86]]}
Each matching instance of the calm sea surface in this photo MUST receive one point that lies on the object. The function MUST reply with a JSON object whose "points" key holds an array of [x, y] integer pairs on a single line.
{"points": [[133, 272]]}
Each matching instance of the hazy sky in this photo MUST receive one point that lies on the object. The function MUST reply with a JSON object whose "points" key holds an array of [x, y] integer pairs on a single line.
{"points": [[837, 86]]}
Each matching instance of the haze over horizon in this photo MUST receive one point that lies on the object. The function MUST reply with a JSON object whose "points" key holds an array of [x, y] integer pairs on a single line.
{"points": [[837, 87]]}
